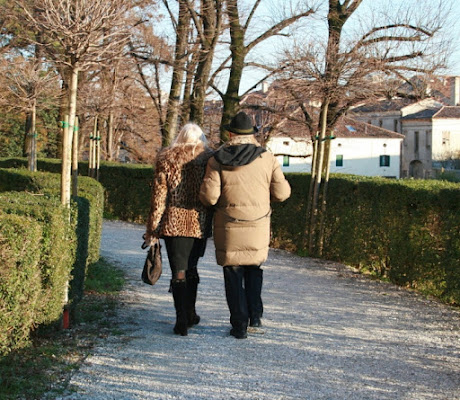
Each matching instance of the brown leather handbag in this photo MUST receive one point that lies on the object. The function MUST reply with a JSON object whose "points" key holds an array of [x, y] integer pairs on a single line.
{"points": [[152, 266]]}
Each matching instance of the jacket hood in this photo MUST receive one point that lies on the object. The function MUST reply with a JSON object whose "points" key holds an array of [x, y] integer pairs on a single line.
{"points": [[239, 151]]}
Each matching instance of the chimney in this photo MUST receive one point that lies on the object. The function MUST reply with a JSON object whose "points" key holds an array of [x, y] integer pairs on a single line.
{"points": [[455, 91], [265, 87]]}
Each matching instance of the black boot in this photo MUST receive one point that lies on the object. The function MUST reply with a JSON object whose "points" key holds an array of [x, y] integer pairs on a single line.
{"points": [[253, 279], [236, 300], [179, 291], [192, 287]]}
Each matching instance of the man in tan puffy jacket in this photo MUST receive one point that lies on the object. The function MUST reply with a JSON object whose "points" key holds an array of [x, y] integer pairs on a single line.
{"points": [[241, 179]]}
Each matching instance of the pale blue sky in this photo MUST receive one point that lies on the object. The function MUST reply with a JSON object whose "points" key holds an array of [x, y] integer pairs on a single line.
{"points": [[266, 52]]}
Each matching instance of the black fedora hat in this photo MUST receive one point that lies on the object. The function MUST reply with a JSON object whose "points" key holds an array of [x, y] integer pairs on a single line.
{"points": [[241, 124]]}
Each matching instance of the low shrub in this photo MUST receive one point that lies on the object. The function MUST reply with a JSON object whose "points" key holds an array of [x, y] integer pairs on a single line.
{"points": [[403, 230], [69, 239], [57, 246], [20, 279], [127, 186]]}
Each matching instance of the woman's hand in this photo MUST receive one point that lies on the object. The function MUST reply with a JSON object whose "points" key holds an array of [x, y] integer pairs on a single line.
{"points": [[149, 239]]}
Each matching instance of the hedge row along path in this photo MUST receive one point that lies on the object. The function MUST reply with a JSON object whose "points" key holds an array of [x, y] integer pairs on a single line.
{"points": [[328, 334]]}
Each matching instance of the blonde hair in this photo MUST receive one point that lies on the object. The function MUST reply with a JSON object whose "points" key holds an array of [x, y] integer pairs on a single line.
{"points": [[190, 134]]}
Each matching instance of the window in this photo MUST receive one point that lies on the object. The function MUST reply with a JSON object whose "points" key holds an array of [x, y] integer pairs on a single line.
{"points": [[380, 123], [428, 139], [285, 161], [286, 143], [416, 141], [395, 125], [384, 161], [339, 160]]}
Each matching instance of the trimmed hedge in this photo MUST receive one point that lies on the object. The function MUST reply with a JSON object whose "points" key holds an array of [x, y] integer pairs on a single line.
{"points": [[57, 246], [20, 279], [127, 186], [127, 189], [404, 230], [65, 248]]}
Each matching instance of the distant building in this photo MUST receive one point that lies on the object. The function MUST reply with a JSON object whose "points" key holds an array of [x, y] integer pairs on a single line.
{"points": [[431, 129], [357, 148]]}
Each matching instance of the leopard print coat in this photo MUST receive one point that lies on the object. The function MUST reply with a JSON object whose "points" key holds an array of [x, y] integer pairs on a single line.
{"points": [[175, 209]]}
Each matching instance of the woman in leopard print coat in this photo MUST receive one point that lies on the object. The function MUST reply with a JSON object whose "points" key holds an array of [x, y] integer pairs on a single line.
{"points": [[177, 215]]}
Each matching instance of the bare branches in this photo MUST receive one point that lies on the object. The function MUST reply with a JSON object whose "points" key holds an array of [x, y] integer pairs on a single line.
{"points": [[277, 28], [83, 31]]}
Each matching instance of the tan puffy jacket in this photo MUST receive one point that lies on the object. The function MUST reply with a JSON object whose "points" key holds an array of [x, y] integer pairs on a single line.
{"points": [[242, 195]]}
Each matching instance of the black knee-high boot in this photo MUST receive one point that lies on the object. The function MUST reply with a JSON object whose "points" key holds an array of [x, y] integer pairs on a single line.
{"points": [[253, 279], [179, 291], [236, 300], [192, 288]]}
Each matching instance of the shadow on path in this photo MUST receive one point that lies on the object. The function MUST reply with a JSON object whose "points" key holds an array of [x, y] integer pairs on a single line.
{"points": [[329, 334]]}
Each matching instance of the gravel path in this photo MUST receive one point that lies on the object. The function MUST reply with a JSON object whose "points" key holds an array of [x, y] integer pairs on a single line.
{"points": [[329, 334]]}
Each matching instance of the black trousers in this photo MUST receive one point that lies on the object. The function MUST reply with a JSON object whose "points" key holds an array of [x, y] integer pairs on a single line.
{"points": [[243, 288], [184, 252]]}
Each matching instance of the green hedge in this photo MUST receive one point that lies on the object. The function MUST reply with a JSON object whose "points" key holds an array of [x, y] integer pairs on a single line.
{"points": [[127, 186], [57, 246], [65, 248], [20, 279], [404, 230], [127, 190]]}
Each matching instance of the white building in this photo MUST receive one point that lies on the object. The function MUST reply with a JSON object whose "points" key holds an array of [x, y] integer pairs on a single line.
{"points": [[358, 148], [446, 137], [431, 132]]}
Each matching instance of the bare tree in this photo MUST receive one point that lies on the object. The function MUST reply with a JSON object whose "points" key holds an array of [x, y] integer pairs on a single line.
{"points": [[239, 50], [77, 34], [209, 29], [26, 87], [197, 29], [344, 69]]}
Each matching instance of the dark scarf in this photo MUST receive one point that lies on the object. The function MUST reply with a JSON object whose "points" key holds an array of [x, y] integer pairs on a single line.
{"points": [[236, 154]]}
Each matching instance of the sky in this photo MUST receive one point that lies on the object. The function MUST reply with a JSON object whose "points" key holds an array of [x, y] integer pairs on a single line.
{"points": [[455, 57], [272, 6], [267, 51]]}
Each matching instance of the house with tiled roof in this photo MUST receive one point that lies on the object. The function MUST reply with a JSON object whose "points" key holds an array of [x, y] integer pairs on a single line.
{"points": [[356, 148], [431, 129]]}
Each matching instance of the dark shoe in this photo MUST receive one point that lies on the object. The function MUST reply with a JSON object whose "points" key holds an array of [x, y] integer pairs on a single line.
{"points": [[255, 322], [192, 287], [238, 334], [179, 291]]}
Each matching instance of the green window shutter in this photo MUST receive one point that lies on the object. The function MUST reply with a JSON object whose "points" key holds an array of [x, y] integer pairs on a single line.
{"points": [[339, 160], [384, 161]]}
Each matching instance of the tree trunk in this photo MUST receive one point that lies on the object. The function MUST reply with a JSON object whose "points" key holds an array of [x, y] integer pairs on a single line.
{"points": [[318, 178], [30, 138], [65, 166], [211, 27], [231, 98], [75, 159], [327, 167], [63, 110], [67, 139], [33, 147], [110, 136], [315, 141], [173, 112]]}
